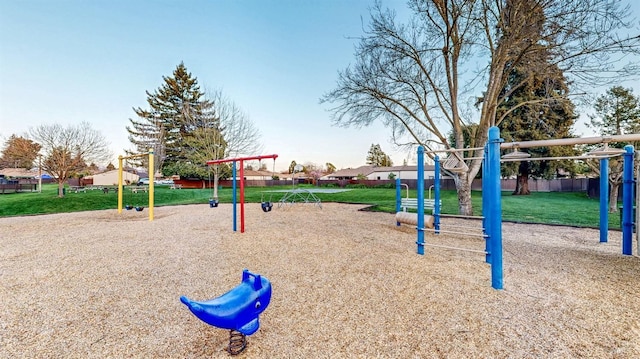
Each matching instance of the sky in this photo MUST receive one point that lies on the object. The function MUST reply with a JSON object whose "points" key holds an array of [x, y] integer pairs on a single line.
{"points": [[70, 61]]}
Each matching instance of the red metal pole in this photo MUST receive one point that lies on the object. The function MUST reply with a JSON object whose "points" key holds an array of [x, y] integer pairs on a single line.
{"points": [[213, 162], [241, 196], [241, 160]]}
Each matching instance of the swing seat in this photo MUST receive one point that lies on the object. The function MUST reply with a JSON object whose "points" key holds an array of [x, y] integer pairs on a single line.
{"points": [[238, 309], [139, 208], [213, 203], [266, 206], [128, 207]]}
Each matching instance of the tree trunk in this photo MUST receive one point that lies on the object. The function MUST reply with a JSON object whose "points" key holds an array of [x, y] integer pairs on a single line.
{"points": [[522, 180], [61, 189], [215, 182], [613, 197], [464, 195], [615, 181]]}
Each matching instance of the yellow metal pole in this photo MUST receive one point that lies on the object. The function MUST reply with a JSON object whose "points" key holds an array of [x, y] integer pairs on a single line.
{"points": [[119, 184], [152, 177]]}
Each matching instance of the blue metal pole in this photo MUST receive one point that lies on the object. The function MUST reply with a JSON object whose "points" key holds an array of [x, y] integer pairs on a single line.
{"points": [[420, 227], [486, 179], [234, 199], [436, 195], [398, 197], [627, 201], [495, 208], [604, 200]]}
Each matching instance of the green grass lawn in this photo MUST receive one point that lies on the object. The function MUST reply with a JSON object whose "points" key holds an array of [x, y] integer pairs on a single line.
{"points": [[540, 207]]}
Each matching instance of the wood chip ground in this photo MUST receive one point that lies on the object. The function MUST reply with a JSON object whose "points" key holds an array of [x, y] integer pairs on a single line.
{"points": [[346, 284]]}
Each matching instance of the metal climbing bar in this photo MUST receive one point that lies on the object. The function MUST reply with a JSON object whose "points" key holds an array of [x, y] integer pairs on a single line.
{"points": [[455, 232], [455, 248], [572, 141]]}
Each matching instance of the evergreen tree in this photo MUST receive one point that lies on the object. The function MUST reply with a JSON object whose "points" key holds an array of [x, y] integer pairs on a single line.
{"points": [[539, 110], [376, 157], [177, 113], [617, 113], [330, 167]]}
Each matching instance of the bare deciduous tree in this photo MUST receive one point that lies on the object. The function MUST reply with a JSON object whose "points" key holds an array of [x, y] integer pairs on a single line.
{"points": [[411, 76], [19, 152], [67, 150], [234, 134]]}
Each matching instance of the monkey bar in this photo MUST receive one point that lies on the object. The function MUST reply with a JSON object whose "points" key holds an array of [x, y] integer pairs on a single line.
{"points": [[241, 160], [572, 141]]}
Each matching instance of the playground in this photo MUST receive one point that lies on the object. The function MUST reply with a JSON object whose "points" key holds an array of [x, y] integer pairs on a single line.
{"points": [[346, 283]]}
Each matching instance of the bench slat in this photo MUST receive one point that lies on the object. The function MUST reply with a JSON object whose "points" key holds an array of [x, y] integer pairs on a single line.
{"points": [[429, 203]]}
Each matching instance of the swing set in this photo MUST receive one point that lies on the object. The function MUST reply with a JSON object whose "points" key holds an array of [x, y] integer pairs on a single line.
{"points": [[265, 207], [120, 183]]}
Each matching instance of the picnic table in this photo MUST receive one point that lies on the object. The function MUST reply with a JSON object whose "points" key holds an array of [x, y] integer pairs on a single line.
{"points": [[135, 189], [77, 189]]}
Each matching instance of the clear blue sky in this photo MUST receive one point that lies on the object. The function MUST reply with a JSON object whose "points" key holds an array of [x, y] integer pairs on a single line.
{"points": [[69, 61]]}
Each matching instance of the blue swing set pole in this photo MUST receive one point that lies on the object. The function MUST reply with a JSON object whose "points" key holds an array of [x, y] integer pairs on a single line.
{"points": [[627, 201], [486, 179], [604, 200], [494, 215], [420, 227]]}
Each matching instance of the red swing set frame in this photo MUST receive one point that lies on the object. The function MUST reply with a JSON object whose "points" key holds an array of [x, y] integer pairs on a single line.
{"points": [[241, 161]]}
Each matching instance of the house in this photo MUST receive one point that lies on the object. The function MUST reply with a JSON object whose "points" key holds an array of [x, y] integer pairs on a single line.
{"points": [[380, 173], [250, 175], [18, 173], [256, 175], [110, 178]]}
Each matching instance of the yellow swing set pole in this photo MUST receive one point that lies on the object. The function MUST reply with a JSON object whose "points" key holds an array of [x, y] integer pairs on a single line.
{"points": [[151, 182], [152, 175], [119, 184]]}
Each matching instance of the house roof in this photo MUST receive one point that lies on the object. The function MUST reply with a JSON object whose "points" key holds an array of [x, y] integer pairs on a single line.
{"points": [[253, 173], [367, 170], [403, 168], [18, 173], [105, 173], [353, 172]]}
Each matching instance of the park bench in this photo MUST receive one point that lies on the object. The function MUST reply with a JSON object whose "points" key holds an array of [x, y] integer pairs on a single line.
{"points": [[135, 189], [77, 189], [176, 186], [412, 203]]}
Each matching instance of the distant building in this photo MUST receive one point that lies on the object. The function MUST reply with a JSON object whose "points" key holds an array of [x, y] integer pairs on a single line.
{"points": [[380, 173], [256, 175], [18, 173], [110, 178]]}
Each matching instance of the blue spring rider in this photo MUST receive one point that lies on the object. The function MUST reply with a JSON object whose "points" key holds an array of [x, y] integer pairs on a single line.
{"points": [[236, 310]]}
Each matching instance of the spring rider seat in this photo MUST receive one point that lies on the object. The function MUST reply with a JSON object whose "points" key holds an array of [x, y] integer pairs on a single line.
{"points": [[236, 310]]}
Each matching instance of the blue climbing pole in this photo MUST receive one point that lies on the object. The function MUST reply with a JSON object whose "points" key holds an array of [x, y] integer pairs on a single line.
{"points": [[627, 201]]}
